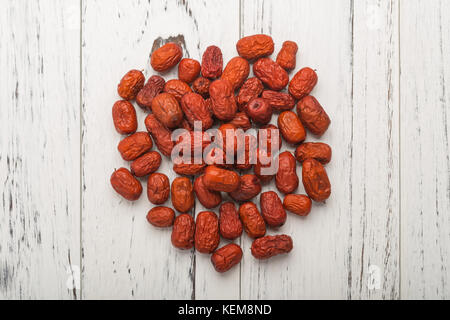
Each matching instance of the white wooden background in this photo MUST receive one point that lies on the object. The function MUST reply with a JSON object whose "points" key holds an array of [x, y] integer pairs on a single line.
{"points": [[384, 71]]}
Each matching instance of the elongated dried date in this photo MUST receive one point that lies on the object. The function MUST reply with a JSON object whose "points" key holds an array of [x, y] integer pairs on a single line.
{"points": [[177, 88], [272, 209], [229, 222], [195, 109], [227, 257], [125, 118], [162, 136], [183, 232], [221, 180], [279, 101], [161, 217], [212, 63], [314, 150], [134, 146], [131, 84], [256, 46], [315, 180], [223, 102], [249, 188], [253, 222], [152, 88], [146, 164], [183, 197], [125, 184], [167, 110], [271, 74], [188, 70], [291, 127], [251, 89], [236, 72], [209, 199], [298, 204], [166, 57], [158, 188], [287, 58], [313, 116]]}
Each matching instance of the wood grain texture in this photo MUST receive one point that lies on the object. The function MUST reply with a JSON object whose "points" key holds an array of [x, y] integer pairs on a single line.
{"points": [[124, 257], [425, 164], [357, 86], [39, 153]]}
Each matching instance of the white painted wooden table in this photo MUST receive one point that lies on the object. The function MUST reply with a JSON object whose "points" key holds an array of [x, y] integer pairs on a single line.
{"points": [[384, 71]]}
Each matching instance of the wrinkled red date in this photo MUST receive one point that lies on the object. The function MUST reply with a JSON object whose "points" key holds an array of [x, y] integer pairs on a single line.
{"points": [[272, 209], [183, 232], [153, 87], [313, 116], [230, 223], [227, 257], [209, 199], [271, 246], [212, 63], [286, 179], [125, 118], [134, 146], [125, 184], [207, 236]]}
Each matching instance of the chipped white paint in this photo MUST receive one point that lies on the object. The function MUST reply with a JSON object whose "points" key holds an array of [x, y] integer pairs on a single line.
{"points": [[389, 135], [39, 149]]}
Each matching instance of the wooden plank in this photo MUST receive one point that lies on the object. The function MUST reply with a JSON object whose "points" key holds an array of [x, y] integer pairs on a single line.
{"points": [[318, 267], [375, 165], [39, 154], [425, 175], [218, 24], [340, 242], [123, 256]]}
